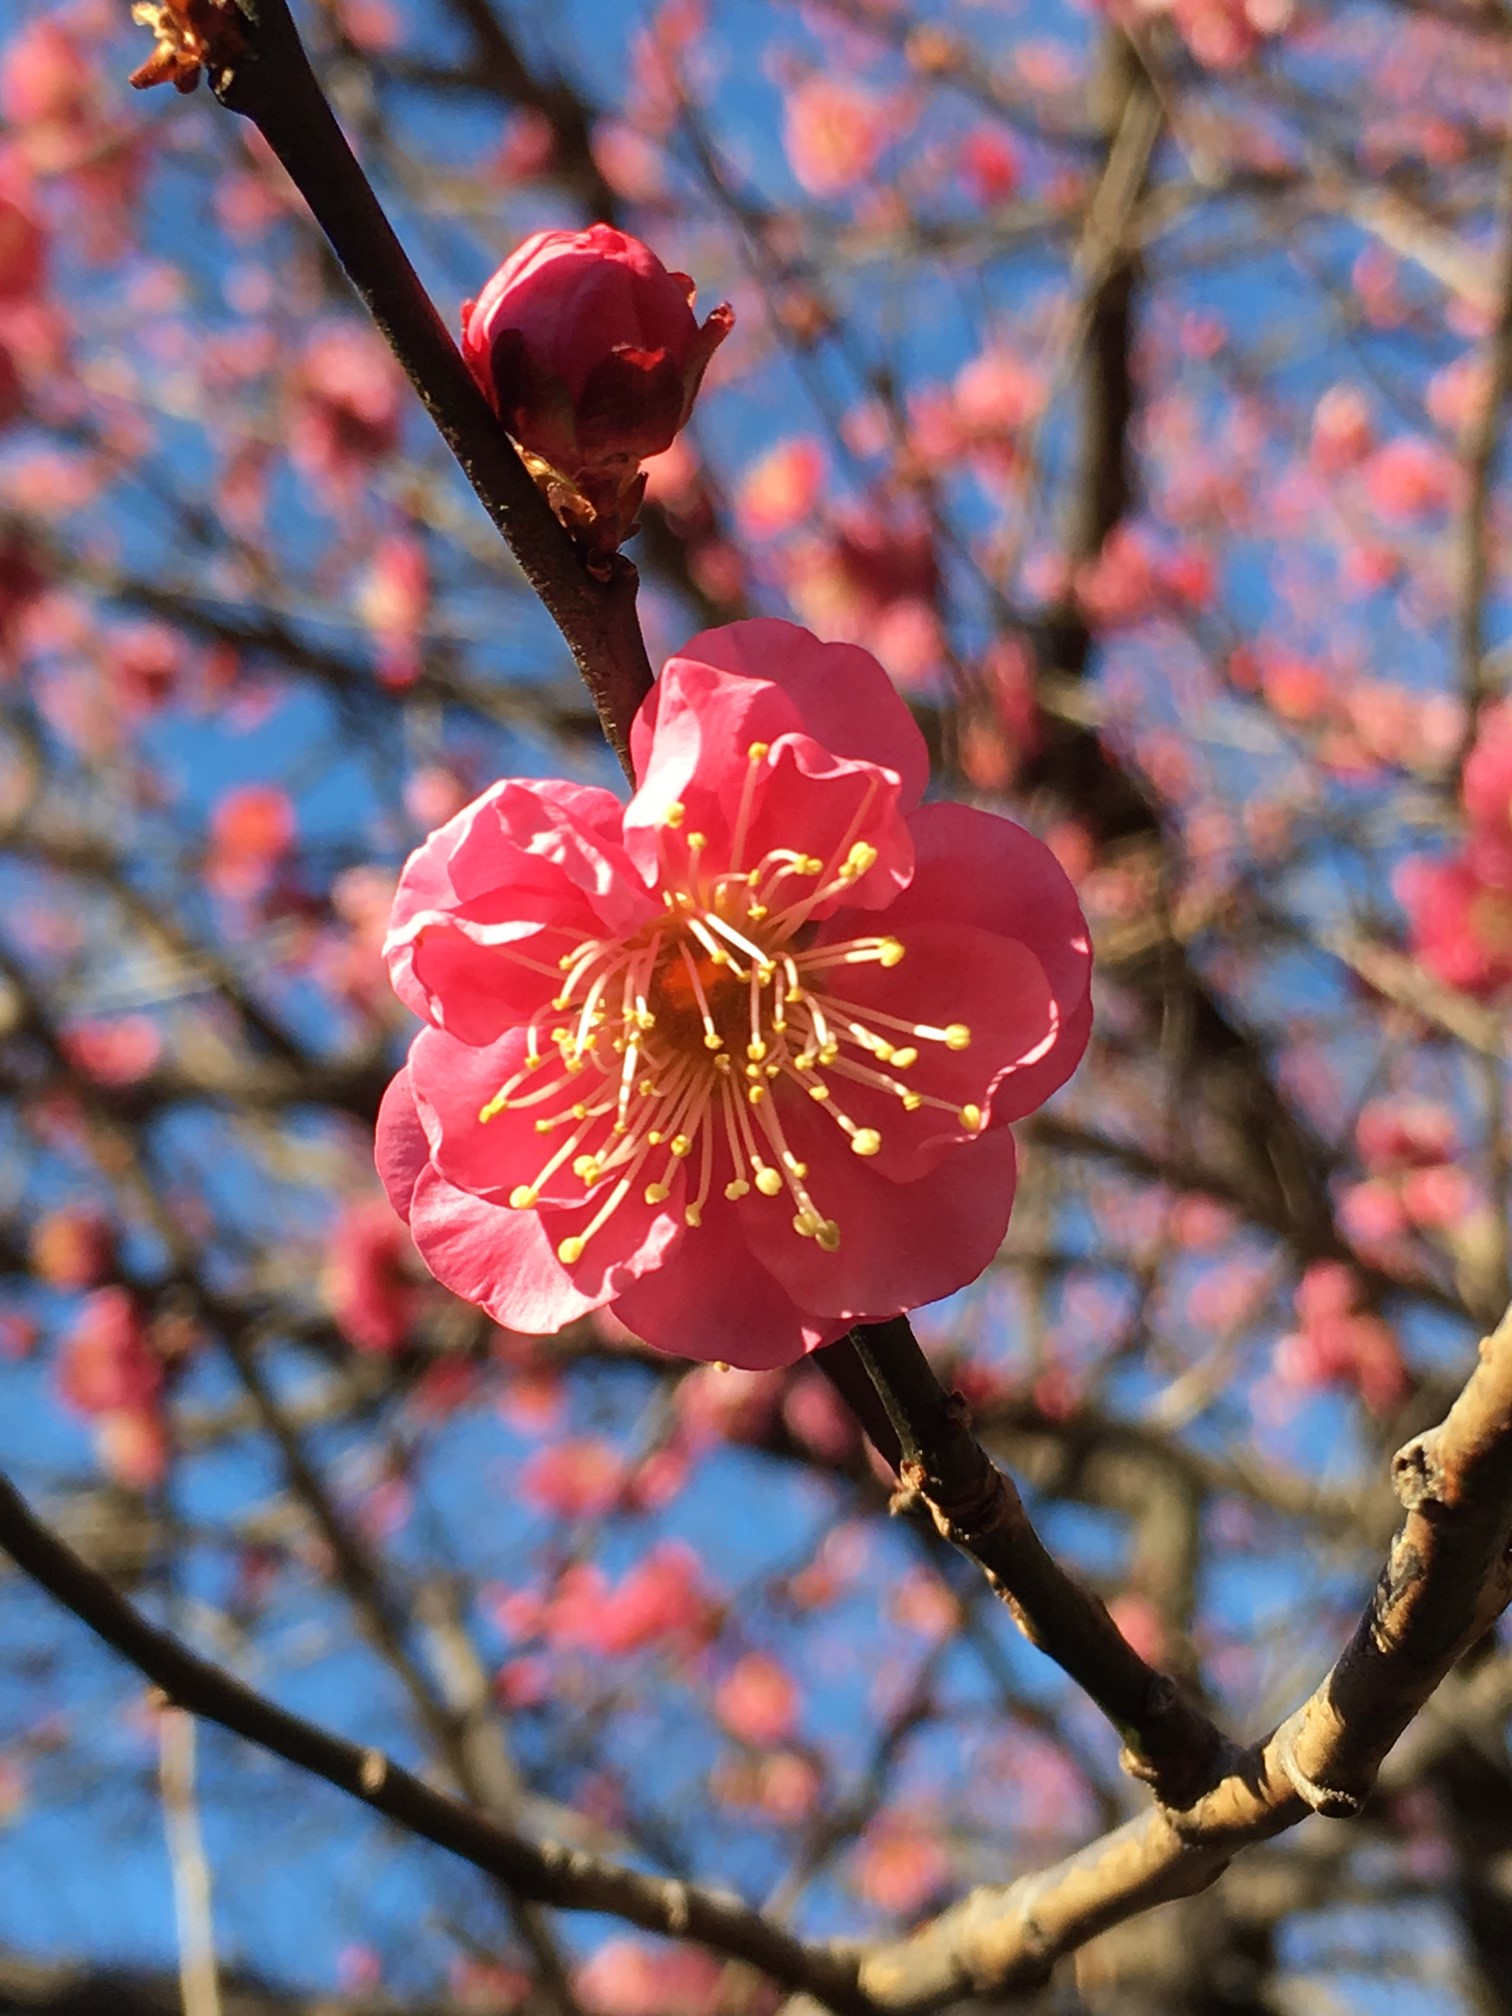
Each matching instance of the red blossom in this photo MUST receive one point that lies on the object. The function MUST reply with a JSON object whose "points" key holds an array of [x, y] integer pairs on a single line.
{"points": [[73, 1248], [587, 349], [1337, 1344], [372, 1297], [757, 1701], [116, 1052], [347, 401], [835, 132], [108, 1365], [739, 1056], [1460, 925]]}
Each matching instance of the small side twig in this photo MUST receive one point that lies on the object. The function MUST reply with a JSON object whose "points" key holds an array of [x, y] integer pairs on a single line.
{"points": [[925, 1433]]}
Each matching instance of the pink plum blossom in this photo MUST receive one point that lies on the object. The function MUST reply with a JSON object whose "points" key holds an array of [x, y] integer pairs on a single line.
{"points": [[739, 1057], [372, 1298], [587, 349], [835, 133]]}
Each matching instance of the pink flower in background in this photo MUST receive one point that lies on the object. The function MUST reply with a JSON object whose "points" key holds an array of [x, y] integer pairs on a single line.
{"points": [[627, 1979], [874, 581], [780, 489], [739, 1056], [1459, 925], [1337, 1344], [73, 1248], [587, 349], [252, 828], [898, 1867], [115, 1052], [757, 1701], [108, 1362], [347, 399], [393, 601], [1486, 790], [1411, 478], [835, 134], [372, 1298]]}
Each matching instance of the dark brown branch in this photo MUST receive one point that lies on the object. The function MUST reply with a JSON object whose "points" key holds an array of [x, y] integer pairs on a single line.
{"points": [[276, 89], [570, 1879], [925, 1433]]}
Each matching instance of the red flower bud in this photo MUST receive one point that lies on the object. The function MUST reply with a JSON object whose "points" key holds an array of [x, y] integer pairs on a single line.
{"points": [[587, 349]]}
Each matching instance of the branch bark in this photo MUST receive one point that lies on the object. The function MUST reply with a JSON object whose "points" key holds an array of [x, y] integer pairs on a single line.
{"points": [[1446, 1579], [276, 89], [547, 1873]]}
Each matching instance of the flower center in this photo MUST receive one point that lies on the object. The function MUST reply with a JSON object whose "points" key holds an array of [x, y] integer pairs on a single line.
{"points": [[675, 1039]]}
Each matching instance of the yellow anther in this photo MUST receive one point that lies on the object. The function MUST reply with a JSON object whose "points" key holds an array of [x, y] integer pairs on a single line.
{"points": [[561, 1001], [971, 1118], [644, 1019], [544, 1126], [890, 951], [912, 1101], [587, 1167], [697, 842], [580, 1111], [522, 1197], [757, 750], [827, 1238], [692, 1215], [495, 1105], [768, 1182], [819, 1091], [656, 1193], [807, 1223], [861, 857], [680, 1145], [571, 1250], [799, 1169], [723, 1062], [713, 1040], [866, 1141], [882, 1050], [957, 1036], [830, 1052], [738, 1189], [655, 1137], [675, 814], [755, 1094], [901, 1059], [756, 1049], [753, 1070], [755, 912]]}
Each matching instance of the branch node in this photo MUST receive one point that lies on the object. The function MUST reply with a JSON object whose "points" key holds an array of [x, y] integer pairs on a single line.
{"points": [[372, 1775], [1331, 1802], [1416, 1474]]}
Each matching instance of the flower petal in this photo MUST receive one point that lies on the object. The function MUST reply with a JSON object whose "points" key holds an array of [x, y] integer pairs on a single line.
{"points": [[972, 867], [400, 1148], [901, 1244], [717, 1302], [950, 974], [500, 1259], [842, 696]]}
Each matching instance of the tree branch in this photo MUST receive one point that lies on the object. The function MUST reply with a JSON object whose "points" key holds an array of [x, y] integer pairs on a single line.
{"points": [[570, 1879], [1446, 1579], [277, 90]]}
